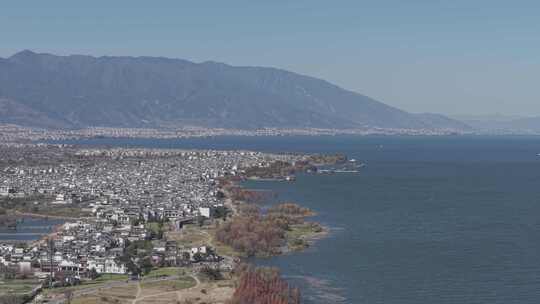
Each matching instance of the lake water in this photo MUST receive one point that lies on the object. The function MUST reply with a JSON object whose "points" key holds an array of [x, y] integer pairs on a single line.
{"points": [[28, 229], [428, 220]]}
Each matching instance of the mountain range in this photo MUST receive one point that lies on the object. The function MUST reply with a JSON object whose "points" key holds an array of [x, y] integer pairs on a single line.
{"points": [[77, 91]]}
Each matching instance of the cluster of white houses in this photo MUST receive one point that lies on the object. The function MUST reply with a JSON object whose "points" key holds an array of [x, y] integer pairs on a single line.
{"points": [[121, 190], [93, 245]]}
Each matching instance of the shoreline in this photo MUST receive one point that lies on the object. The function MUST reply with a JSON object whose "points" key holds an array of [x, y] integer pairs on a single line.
{"points": [[235, 197], [308, 238], [46, 234], [19, 134], [45, 216]]}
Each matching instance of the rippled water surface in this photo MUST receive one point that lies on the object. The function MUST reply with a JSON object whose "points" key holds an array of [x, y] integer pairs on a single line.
{"points": [[428, 220]]}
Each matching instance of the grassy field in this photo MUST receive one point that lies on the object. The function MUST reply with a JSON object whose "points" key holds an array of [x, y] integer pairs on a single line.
{"points": [[299, 235], [182, 290], [97, 283], [156, 287], [205, 293], [17, 286], [116, 295], [165, 271], [96, 299], [189, 236], [126, 294], [110, 277], [169, 298], [123, 292]]}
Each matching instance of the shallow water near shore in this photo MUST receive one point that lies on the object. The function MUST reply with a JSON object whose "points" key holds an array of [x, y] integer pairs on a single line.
{"points": [[28, 229], [428, 220]]}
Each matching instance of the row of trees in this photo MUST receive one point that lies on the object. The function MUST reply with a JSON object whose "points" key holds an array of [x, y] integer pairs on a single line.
{"points": [[263, 285]]}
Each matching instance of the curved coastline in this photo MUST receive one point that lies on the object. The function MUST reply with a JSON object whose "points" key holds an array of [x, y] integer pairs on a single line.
{"points": [[309, 237]]}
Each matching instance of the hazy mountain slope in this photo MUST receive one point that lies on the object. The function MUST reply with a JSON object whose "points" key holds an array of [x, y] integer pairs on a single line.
{"points": [[147, 91], [442, 121], [12, 112], [504, 124], [529, 124]]}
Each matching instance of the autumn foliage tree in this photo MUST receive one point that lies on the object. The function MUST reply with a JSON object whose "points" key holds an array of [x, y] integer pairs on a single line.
{"points": [[290, 209], [263, 285], [255, 233], [252, 235], [248, 196]]}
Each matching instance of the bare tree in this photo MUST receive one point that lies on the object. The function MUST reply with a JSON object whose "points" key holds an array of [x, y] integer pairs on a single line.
{"points": [[68, 294]]}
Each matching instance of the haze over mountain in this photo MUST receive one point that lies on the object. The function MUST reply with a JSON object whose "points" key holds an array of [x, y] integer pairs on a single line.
{"points": [[502, 123], [79, 91]]}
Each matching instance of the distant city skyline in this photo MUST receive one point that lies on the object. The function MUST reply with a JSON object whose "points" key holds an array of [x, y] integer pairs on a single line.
{"points": [[456, 58]]}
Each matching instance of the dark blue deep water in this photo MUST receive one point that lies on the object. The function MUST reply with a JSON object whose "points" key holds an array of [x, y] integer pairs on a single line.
{"points": [[428, 220]]}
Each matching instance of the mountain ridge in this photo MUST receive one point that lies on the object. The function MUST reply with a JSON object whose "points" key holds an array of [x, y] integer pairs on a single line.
{"points": [[122, 91]]}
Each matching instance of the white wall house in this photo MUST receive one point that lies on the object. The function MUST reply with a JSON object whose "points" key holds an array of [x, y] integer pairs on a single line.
{"points": [[205, 211], [4, 191], [201, 250], [107, 265]]}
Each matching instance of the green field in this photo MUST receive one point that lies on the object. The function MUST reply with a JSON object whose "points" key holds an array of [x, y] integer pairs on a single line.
{"points": [[110, 277], [17, 286], [170, 285], [299, 235], [165, 271]]}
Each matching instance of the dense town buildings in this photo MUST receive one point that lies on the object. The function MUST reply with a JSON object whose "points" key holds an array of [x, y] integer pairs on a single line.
{"points": [[121, 194], [17, 134]]}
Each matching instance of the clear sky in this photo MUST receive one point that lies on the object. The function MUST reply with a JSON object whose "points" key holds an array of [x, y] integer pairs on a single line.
{"points": [[452, 57]]}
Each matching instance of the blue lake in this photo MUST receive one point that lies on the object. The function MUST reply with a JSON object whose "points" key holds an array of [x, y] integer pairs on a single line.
{"points": [[29, 229], [428, 220]]}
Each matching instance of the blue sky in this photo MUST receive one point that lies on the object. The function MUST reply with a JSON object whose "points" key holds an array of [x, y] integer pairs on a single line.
{"points": [[452, 57]]}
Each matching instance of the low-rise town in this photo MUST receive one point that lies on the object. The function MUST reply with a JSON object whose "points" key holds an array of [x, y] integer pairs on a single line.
{"points": [[121, 208], [16, 134]]}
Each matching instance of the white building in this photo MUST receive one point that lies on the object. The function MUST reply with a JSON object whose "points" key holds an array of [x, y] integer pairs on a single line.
{"points": [[201, 250], [69, 266], [106, 265], [4, 191], [61, 200], [205, 211]]}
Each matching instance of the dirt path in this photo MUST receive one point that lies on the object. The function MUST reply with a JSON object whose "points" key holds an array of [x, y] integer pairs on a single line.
{"points": [[139, 290]]}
